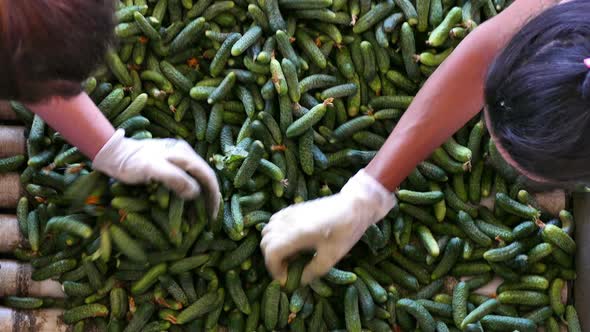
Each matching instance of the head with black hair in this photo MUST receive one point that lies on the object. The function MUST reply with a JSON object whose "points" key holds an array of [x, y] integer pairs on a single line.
{"points": [[47, 47], [537, 96]]}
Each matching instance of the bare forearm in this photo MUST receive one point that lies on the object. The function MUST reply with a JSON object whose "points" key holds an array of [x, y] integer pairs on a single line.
{"points": [[78, 120], [452, 95]]}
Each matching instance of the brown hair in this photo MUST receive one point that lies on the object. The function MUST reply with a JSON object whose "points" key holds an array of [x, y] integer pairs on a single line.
{"points": [[47, 47]]}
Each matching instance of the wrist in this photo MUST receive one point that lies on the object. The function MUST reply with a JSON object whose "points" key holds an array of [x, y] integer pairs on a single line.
{"points": [[393, 163], [370, 196], [110, 153], [382, 173]]}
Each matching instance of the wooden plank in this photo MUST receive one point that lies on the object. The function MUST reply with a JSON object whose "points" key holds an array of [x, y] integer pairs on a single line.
{"points": [[10, 237], [10, 190], [43, 320], [582, 237], [15, 279], [12, 141]]}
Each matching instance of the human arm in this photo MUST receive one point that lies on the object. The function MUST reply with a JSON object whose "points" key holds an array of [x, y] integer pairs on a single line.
{"points": [[78, 120], [453, 95], [172, 162], [450, 97]]}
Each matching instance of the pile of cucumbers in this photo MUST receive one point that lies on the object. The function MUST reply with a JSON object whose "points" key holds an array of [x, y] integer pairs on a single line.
{"points": [[286, 99]]}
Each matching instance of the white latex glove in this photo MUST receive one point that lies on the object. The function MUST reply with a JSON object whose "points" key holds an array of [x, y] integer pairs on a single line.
{"points": [[171, 162], [331, 226]]}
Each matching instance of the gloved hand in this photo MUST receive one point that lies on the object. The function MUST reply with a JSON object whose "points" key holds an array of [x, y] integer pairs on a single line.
{"points": [[164, 160], [331, 226]]}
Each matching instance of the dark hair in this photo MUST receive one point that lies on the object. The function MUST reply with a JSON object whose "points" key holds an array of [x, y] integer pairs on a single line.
{"points": [[47, 47], [537, 95]]}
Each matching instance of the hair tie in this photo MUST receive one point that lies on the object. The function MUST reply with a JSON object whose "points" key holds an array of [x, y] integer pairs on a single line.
{"points": [[587, 62]]}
